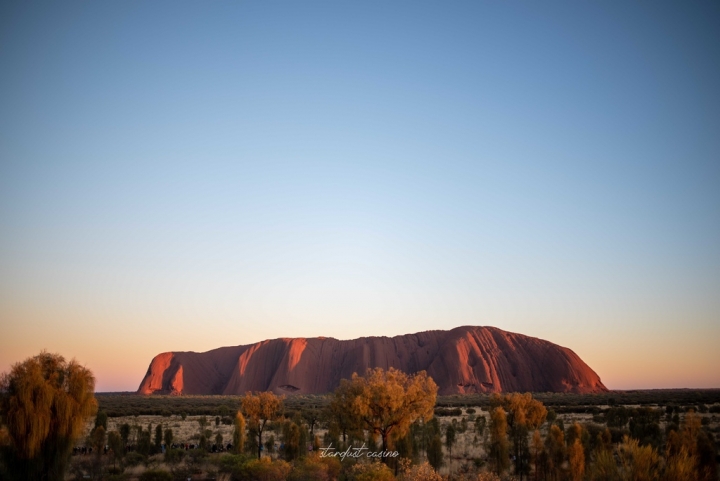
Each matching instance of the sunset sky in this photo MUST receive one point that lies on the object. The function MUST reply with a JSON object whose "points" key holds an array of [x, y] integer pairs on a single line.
{"points": [[184, 176]]}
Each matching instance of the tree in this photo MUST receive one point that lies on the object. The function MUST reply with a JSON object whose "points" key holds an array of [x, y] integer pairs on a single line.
{"points": [[499, 446], [434, 452], [576, 459], [536, 451], [203, 422], [291, 439], [480, 423], [97, 440], [158, 438], [239, 433], [44, 402], [555, 447], [168, 438], [617, 417], [101, 420], [115, 443], [405, 446], [143, 442], [525, 414], [312, 416], [269, 444], [261, 408], [450, 440], [124, 435], [388, 402], [706, 460], [339, 411], [690, 452]]}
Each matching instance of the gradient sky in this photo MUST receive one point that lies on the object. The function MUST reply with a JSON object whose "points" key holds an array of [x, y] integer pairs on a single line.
{"points": [[184, 176]]}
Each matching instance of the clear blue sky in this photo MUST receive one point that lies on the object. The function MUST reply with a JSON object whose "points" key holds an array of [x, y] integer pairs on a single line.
{"points": [[182, 176]]}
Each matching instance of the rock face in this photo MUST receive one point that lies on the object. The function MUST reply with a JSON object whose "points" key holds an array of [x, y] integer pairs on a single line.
{"points": [[467, 359]]}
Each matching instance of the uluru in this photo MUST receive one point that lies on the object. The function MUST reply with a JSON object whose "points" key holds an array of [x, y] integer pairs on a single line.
{"points": [[468, 359]]}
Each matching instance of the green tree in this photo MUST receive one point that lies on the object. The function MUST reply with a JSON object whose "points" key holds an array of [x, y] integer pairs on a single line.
{"points": [[450, 440], [158, 438], [480, 423], [97, 439], [434, 451], [405, 446], [97, 442], [617, 417], [340, 412], [125, 435], [203, 422], [143, 442], [117, 448], [44, 402], [269, 444], [168, 437], [101, 419], [312, 417], [291, 439], [259, 409]]}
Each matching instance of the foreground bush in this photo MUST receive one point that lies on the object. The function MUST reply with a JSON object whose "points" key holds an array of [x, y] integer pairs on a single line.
{"points": [[316, 468], [44, 403], [156, 475], [241, 468], [370, 472]]}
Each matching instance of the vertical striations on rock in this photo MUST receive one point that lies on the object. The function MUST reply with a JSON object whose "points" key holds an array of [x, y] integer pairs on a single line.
{"points": [[468, 359]]}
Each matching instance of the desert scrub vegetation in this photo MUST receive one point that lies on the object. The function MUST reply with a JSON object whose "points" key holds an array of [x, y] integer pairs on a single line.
{"points": [[668, 435], [513, 436]]}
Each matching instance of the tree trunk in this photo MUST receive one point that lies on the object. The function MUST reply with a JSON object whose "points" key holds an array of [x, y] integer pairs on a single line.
{"points": [[259, 442]]}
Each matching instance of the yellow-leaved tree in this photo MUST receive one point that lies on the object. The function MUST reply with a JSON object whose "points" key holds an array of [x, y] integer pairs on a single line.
{"points": [[260, 408], [387, 402], [44, 402]]}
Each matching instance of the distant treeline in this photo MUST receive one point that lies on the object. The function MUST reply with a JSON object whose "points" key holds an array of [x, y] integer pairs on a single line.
{"points": [[131, 404], [679, 397]]}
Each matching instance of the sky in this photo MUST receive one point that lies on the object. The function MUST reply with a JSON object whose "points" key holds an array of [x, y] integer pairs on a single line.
{"points": [[180, 176]]}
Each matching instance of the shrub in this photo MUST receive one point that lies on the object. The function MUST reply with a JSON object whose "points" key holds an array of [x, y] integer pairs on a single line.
{"points": [[133, 459], [370, 472], [262, 470], [156, 475], [315, 468]]}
